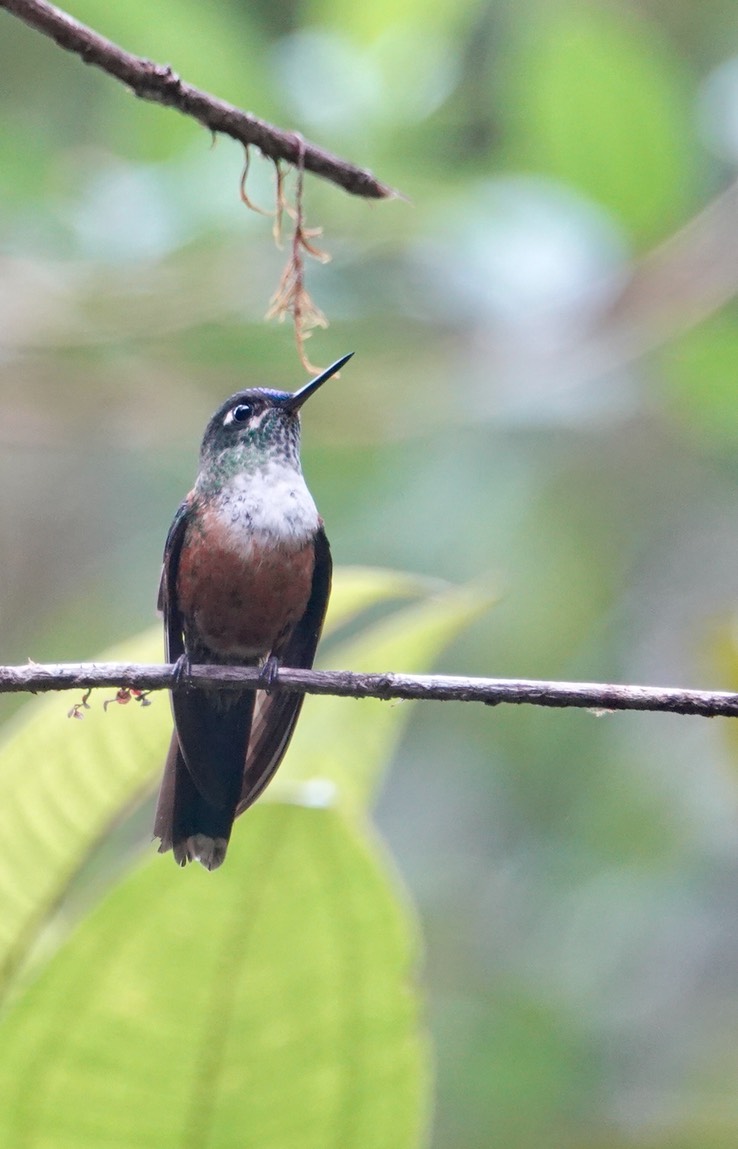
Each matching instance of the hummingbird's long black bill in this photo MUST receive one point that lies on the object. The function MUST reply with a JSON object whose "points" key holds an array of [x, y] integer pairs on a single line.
{"points": [[295, 402]]}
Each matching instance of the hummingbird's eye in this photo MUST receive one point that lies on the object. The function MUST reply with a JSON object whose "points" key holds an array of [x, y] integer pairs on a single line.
{"points": [[241, 414]]}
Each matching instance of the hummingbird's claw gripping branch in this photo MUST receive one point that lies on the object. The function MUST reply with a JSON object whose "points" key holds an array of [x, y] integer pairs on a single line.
{"points": [[181, 672], [269, 673]]}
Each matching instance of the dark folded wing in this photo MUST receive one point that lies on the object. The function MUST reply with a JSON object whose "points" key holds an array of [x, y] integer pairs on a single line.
{"points": [[275, 714], [167, 601]]}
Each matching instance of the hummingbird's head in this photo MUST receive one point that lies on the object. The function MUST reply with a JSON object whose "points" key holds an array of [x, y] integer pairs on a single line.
{"points": [[257, 426]]}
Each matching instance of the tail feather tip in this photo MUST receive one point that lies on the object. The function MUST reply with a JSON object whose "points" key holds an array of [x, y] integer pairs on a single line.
{"points": [[209, 852]]}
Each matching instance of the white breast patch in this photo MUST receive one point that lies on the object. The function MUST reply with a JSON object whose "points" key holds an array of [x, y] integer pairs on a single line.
{"points": [[274, 502]]}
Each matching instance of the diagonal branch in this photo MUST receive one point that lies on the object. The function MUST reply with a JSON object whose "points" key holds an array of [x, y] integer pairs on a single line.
{"points": [[158, 83], [345, 683]]}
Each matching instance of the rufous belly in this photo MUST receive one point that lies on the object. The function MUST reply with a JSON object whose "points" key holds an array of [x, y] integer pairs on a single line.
{"points": [[241, 600]]}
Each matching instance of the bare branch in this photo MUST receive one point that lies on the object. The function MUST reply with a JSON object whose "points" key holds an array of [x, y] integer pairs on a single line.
{"points": [[158, 83], [595, 696]]}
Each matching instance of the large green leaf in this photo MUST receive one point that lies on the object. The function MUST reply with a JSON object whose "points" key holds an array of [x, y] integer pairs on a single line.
{"points": [[63, 784], [268, 1005]]}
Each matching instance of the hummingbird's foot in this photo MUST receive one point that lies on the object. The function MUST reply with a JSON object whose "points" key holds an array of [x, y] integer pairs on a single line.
{"points": [[181, 672], [268, 673]]}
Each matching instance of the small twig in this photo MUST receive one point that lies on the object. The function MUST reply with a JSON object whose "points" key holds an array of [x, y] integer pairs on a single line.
{"points": [[595, 696], [83, 704], [158, 83]]}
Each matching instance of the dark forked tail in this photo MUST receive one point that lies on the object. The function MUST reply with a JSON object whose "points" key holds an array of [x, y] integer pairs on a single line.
{"points": [[203, 775]]}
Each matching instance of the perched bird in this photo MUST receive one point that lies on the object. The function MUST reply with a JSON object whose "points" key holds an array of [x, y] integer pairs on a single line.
{"points": [[245, 581]]}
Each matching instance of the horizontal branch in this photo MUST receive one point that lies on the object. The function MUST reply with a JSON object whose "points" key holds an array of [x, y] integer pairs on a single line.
{"points": [[158, 83], [345, 683]]}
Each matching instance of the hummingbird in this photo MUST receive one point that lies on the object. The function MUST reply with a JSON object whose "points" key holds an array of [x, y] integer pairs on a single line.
{"points": [[245, 581]]}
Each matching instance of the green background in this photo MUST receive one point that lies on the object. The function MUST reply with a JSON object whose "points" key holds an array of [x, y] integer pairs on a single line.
{"points": [[502, 421]]}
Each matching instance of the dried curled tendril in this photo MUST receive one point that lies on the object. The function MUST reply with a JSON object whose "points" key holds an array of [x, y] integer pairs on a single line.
{"points": [[292, 297]]}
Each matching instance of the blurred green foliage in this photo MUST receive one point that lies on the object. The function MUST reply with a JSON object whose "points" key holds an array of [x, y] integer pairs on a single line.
{"points": [[575, 876], [586, 79]]}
